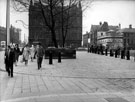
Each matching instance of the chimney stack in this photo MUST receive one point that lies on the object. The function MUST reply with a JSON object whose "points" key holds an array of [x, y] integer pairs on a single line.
{"points": [[100, 23], [119, 26], [130, 26]]}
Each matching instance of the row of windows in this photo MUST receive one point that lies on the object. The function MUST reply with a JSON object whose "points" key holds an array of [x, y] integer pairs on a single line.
{"points": [[111, 40], [129, 41], [129, 34]]}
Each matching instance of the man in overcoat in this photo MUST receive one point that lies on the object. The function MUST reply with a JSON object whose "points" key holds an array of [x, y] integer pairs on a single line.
{"points": [[40, 54], [9, 60]]}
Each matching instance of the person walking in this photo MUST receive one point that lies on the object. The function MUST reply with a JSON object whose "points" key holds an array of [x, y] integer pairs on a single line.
{"points": [[17, 53], [32, 52], [40, 54], [9, 60], [26, 53]]}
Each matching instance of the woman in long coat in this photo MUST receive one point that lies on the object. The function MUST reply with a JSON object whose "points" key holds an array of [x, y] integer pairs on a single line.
{"points": [[26, 53], [32, 52]]}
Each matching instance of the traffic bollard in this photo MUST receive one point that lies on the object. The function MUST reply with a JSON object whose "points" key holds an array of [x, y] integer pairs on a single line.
{"points": [[50, 58], [59, 57], [128, 55]]}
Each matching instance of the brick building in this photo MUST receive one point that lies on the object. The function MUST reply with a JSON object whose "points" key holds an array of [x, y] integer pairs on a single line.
{"points": [[39, 31]]}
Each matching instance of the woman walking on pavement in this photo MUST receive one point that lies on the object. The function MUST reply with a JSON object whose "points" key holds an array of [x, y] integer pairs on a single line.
{"points": [[26, 53], [32, 52], [17, 53]]}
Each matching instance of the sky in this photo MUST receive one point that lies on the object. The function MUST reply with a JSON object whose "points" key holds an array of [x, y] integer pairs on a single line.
{"points": [[111, 11]]}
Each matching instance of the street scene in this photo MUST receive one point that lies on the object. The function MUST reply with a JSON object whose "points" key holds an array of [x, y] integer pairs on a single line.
{"points": [[77, 80], [67, 51]]}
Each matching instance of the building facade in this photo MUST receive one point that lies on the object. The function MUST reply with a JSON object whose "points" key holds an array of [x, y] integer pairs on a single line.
{"points": [[128, 37], [93, 33], [108, 36], [86, 39], [15, 34], [39, 31], [2, 34]]}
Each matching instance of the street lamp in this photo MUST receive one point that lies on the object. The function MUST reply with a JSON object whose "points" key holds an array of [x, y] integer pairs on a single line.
{"points": [[8, 22], [24, 25]]}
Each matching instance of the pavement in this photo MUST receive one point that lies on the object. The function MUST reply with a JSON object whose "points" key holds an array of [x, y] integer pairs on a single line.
{"points": [[88, 78]]}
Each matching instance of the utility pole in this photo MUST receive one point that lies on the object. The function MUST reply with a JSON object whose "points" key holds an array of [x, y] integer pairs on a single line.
{"points": [[24, 37], [8, 22]]}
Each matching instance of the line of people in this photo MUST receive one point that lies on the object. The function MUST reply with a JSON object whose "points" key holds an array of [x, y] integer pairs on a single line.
{"points": [[12, 54], [123, 53]]}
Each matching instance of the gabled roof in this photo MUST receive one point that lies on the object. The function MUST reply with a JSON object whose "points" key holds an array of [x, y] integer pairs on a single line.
{"points": [[104, 27], [95, 28], [114, 28], [127, 30]]}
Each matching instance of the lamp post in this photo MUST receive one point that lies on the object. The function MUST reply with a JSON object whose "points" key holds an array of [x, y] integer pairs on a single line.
{"points": [[24, 25], [8, 22]]}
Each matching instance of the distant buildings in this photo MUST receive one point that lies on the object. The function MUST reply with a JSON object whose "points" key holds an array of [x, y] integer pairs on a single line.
{"points": [[2, 34], [128, 37], [107, 36], [86, 39], [39, 31], [93, 33], [111, 36], [15, 34]]}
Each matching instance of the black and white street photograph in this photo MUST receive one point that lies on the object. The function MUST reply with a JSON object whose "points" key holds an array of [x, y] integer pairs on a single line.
{"points": [[67, 50]]}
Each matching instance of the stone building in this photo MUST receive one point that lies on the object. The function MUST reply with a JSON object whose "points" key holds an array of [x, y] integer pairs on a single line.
{"points": [[39, 31], [128, 37], [93, 33], [107, 36]]}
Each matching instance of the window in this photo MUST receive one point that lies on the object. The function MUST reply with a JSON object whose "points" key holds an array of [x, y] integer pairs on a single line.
{"points": [[128, 34], [128, 41], [131, 41], [101, 34], [124, 40]]}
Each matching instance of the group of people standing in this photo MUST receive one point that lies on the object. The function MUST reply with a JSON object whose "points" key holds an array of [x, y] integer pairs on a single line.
{"points": [[12, 54], [124, 53]]}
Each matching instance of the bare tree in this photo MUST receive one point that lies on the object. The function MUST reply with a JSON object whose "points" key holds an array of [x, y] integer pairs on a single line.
{"points": [[51, 11]]}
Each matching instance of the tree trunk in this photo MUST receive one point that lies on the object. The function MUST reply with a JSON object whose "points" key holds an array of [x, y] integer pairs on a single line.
{"points": [[54, 38]]}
